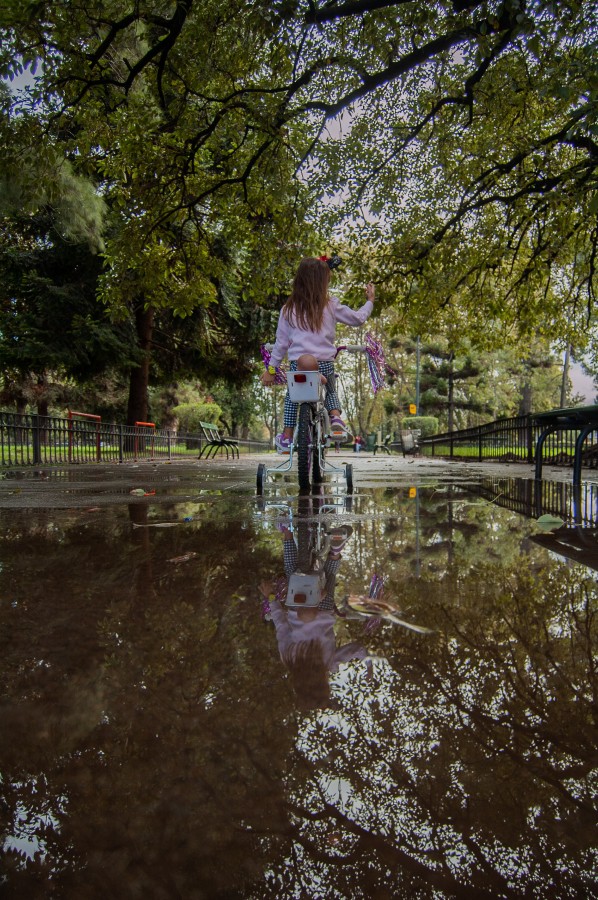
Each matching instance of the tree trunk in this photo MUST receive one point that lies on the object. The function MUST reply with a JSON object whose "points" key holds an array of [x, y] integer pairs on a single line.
{"points": [[42, 408], [525, 404], [137, 408]]}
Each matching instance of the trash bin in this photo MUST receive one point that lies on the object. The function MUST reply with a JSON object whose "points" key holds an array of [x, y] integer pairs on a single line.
{"points": [[371, 441]]}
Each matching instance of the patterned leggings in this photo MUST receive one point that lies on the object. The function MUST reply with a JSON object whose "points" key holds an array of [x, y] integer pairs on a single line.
{"points": [[332, 401]]}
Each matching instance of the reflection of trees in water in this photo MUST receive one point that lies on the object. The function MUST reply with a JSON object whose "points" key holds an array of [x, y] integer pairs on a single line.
{"points": [[149, 742], [142, 737], [470, 767], [429, 541]]}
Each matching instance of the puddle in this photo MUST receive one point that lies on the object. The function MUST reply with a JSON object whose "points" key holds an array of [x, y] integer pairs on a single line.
{"points": [[166, 730]]}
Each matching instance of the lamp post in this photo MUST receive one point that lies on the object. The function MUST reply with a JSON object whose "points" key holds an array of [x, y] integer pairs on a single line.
{"points": [[417, 351]]}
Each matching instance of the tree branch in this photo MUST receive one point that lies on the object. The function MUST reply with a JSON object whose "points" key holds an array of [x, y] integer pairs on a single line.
{"points": [[358, 7], [351, 8], [410, 61]]}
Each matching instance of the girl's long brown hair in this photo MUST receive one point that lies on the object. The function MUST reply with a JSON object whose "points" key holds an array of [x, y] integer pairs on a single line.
{"points": [[309, 675], [309, 296]]}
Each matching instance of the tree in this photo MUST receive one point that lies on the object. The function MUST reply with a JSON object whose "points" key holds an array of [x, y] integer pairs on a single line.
{"points": [[442, 373], [52, 328], [195, 201], [458, 136], [476, 184]]}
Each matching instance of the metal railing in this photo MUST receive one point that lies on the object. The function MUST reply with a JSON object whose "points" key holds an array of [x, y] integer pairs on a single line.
{"points": [[509, 440], [48, 440]]}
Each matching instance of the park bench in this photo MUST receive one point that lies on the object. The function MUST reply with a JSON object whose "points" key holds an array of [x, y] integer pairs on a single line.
{"points": [[580, 419], [214, 441]]}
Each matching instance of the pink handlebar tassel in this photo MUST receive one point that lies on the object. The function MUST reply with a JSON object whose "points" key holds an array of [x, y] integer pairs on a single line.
{"points": [[281, 376]]}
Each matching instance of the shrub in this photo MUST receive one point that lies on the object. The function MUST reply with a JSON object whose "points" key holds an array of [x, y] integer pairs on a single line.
{"points": [[189, 415], [426, 425]]}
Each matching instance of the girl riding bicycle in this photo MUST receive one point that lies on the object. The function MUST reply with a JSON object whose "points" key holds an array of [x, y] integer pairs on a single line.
{"points": [[307, 324], [306, 638]]}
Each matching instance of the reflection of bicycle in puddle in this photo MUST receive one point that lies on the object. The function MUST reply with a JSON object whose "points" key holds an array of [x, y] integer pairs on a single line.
{"points": [[301, 604], [312, 540]]}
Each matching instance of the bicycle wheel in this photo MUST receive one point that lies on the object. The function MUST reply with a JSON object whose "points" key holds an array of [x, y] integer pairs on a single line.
{"points": [[260, 479], [305, 445], [303, 535], [349, 477]]}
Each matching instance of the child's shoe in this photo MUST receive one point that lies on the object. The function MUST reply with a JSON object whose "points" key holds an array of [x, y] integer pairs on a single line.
{"points": [[283, 444], [338, 429], [338, 539]]}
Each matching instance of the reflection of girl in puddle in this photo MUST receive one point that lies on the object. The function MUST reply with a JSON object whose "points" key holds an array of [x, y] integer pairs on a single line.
{"points": [[306, 638]]}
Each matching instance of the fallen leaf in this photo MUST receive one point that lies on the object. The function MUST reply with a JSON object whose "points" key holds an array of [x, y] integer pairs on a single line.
{"points": [[184, 558], [548, 522]]}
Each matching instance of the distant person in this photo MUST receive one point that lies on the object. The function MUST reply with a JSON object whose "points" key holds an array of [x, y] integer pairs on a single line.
{"points": [[307, 324], [357, 443]]}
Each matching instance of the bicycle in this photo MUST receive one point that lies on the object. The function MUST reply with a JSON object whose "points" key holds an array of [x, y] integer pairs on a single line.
{"points": [[311, 437], [313, 532]]}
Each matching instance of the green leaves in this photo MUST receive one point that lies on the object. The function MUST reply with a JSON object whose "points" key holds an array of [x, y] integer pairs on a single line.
{"points": [[456, 147]]}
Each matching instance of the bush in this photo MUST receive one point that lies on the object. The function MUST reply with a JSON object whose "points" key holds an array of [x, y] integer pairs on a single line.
{"points": [[189, 415], [426, 425]]}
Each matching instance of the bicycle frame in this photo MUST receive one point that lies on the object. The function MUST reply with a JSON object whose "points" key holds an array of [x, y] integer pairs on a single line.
{"points": [[306, 389], [322, 423], [312, 534]]}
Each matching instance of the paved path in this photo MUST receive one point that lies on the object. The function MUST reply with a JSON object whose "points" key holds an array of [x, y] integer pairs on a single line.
{"points": [[103, 485]]}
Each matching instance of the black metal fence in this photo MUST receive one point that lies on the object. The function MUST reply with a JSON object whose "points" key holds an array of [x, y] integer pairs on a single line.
{"points": [[508, 440], [531, 498], [47, 440]]}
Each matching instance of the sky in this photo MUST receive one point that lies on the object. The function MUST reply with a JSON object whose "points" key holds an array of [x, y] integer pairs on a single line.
{"points": [[582, 383]]}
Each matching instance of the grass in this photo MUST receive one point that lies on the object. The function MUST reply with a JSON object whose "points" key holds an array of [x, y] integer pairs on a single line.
{"points": [[17, 454], [465, 452]]}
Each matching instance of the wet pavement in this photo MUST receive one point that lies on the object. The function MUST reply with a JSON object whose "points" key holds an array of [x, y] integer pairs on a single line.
{"points": [[176, 719]]}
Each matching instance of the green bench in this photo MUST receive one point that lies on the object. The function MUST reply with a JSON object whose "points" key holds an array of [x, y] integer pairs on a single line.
{"points": [[213, 441]]}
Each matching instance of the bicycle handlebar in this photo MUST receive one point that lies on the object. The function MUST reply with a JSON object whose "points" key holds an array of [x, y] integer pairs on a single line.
{"points": [[350, 348]]}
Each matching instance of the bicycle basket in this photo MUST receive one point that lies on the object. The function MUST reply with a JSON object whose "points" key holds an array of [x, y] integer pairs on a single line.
{"points": [[304, 590], [304, 386]]}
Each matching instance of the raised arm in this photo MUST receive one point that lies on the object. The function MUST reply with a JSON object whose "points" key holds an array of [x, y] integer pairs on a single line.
{"points": [[356, 317]]}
